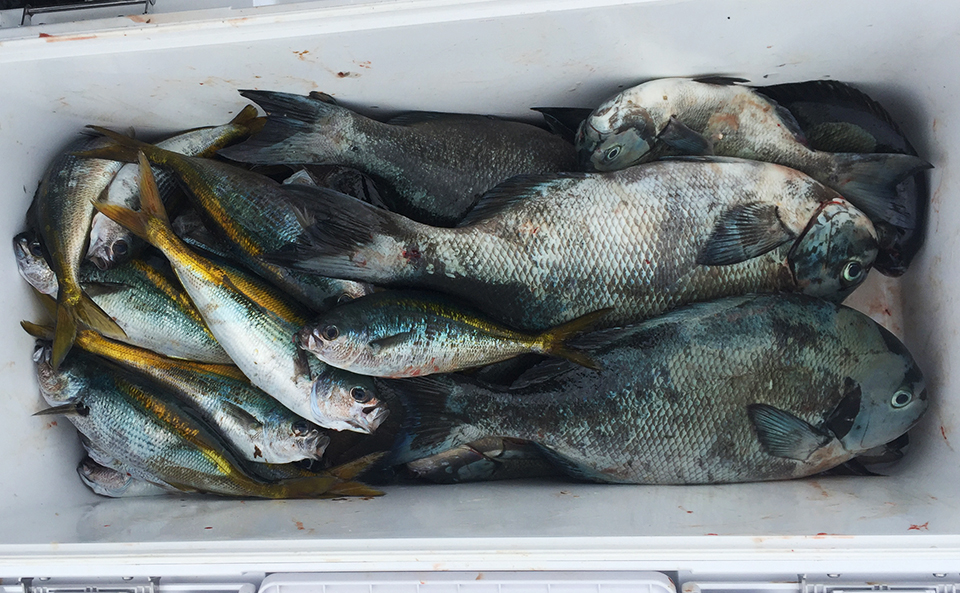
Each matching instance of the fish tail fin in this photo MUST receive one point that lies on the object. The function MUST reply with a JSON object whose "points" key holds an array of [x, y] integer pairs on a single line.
{"points": [[151, 222], [430, 426], [554, 341], [313, 487], [869, 182], [66, 329], [97, 319], [344, 237], [294, 131], [38, 330], [352, 489], [352, 469], [246, 115], [125, 148]]}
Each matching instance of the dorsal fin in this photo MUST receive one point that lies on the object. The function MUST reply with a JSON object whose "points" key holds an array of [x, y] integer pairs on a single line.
{"points": [[721, 80], [513, 190], [828, 91], [417, 117]]}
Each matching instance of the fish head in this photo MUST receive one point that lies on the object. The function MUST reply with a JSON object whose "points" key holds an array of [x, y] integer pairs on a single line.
{"points": [[338, 338], [33, 265], [618, 134], [103, 480], [58, 387], [110, 243], [345, 401], [836, 250], [886, 394], [293, 440]]}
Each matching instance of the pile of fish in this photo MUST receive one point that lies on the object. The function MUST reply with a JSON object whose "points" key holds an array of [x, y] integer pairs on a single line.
{"points": [[646, 292]]}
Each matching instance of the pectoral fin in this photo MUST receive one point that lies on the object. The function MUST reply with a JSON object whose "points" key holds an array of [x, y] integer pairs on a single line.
{"points": [[245, 419], [383, 343], [742, 233], [784, 435], [683, 140]]}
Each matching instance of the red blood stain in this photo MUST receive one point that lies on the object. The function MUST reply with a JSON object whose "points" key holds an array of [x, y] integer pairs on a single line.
{"points": [[925, 527], [713, 534], [410, 253], [822, 533], [299, 525], [943, 433], [208, 527], [42, 35]]}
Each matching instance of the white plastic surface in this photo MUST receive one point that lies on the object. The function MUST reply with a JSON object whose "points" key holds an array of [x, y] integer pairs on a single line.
{"points": [[497, 57], [473, 582]]}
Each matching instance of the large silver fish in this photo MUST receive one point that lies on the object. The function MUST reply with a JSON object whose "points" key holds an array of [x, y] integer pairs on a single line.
{"points": [[437, 163], [113, 483], [682, 116], [537, 253], [750, 388]]}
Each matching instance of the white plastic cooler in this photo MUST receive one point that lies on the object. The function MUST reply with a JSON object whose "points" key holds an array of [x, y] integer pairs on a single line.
{"points": [[160, 72]]}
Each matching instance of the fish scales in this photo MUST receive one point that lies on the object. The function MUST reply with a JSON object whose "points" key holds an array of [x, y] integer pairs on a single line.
{"points": [[437, 163], [670, 405], [626, 240]]}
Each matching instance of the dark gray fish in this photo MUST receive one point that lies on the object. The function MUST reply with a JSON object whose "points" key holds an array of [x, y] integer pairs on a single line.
{"points": [[741, 389], [539, 252], [836, 117], [683, 116], [438, 164]]}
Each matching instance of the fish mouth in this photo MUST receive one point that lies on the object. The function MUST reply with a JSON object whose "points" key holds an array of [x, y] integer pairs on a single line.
{"points": [[370, 419]]}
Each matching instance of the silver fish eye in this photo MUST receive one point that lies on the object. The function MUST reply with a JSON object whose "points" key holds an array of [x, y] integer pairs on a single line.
{"points": [[301, 428], [344, 298], [120, 247], [612, 153], [853, 271], [360, 394], [329, 333], [36, 249], [901, 398]]}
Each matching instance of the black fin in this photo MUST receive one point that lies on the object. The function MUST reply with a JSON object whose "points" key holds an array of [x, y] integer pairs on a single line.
{"points": [[288, 116], [377, 345], [564, 121], [337, 226], [721, 80], [77, 409], [428, 422], [869, 182], [843, 416], [510, 192], [684, 140], [830, 92], [572, 468], [322, 97], [784, 435], [852, 467], [744, 232], [545, 371]]}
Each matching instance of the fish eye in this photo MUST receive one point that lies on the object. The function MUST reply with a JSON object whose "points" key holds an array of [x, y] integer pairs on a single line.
{"points": [[344, 298], [120, 247], [300, 428], [612, 153], [853, 271], [360, 394], [901, 398], [329, 332], [35, 249]]}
